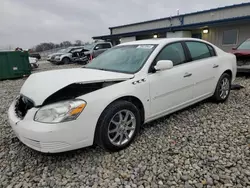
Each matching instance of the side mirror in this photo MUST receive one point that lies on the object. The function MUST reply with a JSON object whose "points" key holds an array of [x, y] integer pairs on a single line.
{"points": [[163, 65], [234, 48], [96, 48]]}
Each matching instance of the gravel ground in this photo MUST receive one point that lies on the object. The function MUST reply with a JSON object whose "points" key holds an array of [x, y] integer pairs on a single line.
{"points": [[206, 145]]}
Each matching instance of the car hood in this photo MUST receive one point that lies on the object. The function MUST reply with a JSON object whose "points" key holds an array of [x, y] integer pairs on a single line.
{"points": [[88, 52], [241, 52], [40, 86]]}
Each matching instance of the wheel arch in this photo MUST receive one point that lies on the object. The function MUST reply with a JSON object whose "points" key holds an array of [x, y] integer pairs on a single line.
{"points": [[134, 100], [137, 102], [65, 57], [228, 71]]}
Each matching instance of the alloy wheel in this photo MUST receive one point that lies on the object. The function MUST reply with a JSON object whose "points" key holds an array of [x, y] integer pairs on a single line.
{"points": [[224, 88], [122, 127]]}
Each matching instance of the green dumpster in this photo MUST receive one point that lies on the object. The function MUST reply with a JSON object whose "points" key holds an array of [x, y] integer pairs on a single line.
{"points": [[14, 64]]}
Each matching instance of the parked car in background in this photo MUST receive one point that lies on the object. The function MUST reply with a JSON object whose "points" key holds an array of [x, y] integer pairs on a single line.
{"points": [[242, 53], [63, 56], [97, 48], [107, 101], [79, 56], [35, 55], [33, 62]]}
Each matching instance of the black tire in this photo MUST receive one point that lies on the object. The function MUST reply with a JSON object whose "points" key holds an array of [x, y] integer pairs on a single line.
{"points": [[65, 60], [102, 135], [218, 97]]}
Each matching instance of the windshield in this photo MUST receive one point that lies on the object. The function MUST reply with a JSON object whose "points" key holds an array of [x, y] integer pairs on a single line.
{"points": [[89, 46], [127, 59], [245, 45]]}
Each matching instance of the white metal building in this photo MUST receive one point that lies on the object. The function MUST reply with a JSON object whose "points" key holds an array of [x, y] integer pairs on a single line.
{"points": [[225, 27]]}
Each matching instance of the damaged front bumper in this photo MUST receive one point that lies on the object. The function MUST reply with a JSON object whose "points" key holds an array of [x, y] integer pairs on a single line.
{"points": [[45, 137], [243, 64]]}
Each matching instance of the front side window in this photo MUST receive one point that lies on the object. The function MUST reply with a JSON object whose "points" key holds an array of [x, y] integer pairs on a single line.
{"points": [[127, 58], [211, 49], [198, 50], [245, 45], [98, 47], [173, 52], [106, 45], [230, 37]]}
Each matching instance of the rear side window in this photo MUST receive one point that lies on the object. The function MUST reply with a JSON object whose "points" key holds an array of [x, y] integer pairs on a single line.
{"points": [[173, 52], [212, 51], [198, 50], [98, 46]]}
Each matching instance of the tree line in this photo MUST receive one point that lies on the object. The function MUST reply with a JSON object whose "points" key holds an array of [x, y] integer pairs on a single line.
{"points": [[49, 45]]}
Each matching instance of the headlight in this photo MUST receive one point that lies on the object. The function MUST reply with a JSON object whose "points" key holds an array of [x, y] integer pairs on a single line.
{"points": [[60, 112]]}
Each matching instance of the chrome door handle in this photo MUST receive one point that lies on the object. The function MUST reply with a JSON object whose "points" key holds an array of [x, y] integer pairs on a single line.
{"points": [[187, 75], [215, 66]]}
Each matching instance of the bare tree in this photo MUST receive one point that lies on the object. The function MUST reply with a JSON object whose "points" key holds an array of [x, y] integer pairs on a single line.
{"points": [[65, 44], [78, 43], [49, 45]]}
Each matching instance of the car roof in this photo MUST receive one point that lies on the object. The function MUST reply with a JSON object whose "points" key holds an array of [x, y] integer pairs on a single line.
{"points": [[101, 42], [159, 41], [78, 50]]}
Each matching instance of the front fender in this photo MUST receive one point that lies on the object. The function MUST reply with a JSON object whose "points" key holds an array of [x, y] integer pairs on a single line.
{"points": [[98, 100]]}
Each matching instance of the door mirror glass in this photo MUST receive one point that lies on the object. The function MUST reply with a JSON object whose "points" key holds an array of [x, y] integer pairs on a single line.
{"points": [[233, 48], [163, 65], [97, 48]]}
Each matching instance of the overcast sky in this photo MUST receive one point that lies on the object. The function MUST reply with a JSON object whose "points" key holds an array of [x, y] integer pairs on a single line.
{"points": [[25, 23]]}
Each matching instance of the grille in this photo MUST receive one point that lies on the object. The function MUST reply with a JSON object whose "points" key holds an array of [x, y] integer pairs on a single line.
{"points": [[23, 104]]}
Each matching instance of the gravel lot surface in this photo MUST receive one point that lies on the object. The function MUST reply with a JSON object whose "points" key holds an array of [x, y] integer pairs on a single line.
{"points": [[206, 145]]}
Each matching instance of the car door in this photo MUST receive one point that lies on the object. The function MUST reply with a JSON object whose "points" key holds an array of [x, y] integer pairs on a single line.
{"points": [[172, 88], [206, 68], [100, 48]]}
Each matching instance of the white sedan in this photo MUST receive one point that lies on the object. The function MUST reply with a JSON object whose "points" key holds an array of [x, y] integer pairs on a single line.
{"points": [[107, 101]]}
